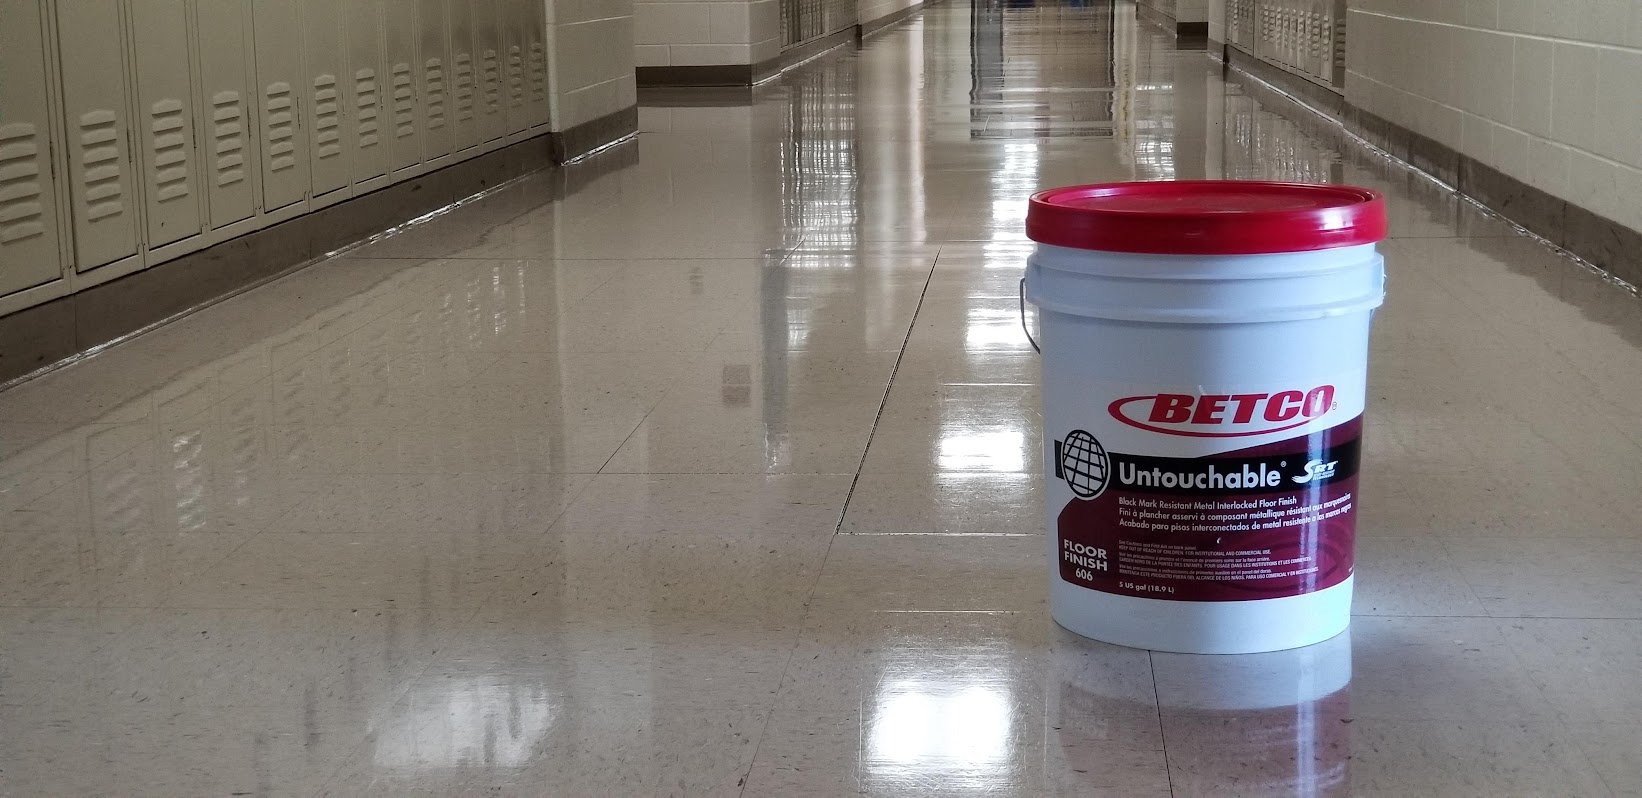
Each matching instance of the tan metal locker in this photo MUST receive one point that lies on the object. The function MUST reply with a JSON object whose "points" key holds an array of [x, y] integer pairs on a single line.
{"points": [[329, 95], [487, 44], [535, 41], [464, 77], [98, 132], [404, 102], [30, 248], [366, 118], [515, 15], [225, 89], [278, 34], [165, 108], [435, 54]]}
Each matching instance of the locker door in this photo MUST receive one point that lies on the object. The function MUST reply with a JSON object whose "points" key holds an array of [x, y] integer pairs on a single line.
{"points": [[278, 35], [225, 85], [364, 30], [165, 104], [94, 99], [328, 95], [435, 55], [464, 93], [30, 252], [487, 42], [515, 16], [405, 145], [536, 94]]}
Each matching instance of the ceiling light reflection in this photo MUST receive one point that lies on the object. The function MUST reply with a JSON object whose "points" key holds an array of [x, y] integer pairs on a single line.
{"points": [[489, 724], [969, 449]]}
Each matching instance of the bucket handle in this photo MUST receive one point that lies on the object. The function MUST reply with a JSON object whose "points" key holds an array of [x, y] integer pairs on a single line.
{"points": [[1024, 327]]}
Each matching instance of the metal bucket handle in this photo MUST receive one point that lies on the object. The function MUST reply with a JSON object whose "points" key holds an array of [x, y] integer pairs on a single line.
{"points": [[1024, 326]]}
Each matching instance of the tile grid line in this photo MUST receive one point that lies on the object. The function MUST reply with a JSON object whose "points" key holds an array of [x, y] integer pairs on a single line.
{"points": [[842, 512], [1162, 733]]}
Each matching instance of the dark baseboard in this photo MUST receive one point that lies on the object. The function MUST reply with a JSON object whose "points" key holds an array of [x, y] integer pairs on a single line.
{"points": [[1604, 243], [815, 47], [667, 78], [589, 136], [893, 18], [1318, 97], [39, 336], [1187, 35], [708, 75]]}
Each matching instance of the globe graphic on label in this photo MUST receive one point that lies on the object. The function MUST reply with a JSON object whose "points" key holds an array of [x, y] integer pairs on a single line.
{"points": [[1083, 464]]}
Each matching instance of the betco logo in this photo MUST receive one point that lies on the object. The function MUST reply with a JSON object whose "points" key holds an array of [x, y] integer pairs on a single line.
{"points": [[1234, 415]]}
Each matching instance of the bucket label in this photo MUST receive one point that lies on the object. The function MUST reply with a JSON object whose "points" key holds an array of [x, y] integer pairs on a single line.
{"points": [[1264, 522]]}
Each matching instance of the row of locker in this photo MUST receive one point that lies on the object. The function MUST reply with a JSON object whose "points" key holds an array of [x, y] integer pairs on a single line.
{"points": [[132, 131]]}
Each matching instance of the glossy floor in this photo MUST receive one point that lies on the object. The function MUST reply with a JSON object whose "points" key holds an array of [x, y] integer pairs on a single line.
{"points": [[710, 467]]}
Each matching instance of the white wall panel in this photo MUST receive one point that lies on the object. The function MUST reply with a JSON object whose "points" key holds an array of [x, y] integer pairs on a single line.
{"points": [[165, 113], [278, 33], [487, 38], [225, 87], [98, 128], [329, 95], [464, 77], [535, 44], [515, 15], [434, 24], [30, 246], [404, 94], [367, 118]]}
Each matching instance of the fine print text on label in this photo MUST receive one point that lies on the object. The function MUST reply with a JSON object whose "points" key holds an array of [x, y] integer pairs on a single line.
{"points": [[1268, 522]]}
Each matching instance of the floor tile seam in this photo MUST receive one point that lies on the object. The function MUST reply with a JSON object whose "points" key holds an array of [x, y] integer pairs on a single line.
{"points": [[1162, 729], [479, 377], [1459, 571], [628, 438], [1552, 709], [662, 397], [826, 555], [82, 474], [889, 387], [724, 473], [399, 694], [564, 509]]}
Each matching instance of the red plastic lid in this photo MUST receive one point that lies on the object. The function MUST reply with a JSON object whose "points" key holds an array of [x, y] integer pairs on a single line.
{"points": [[1206, 217]]}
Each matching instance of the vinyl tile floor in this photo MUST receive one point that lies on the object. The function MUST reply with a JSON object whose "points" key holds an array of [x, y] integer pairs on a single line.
{"points": [[721, 475]]}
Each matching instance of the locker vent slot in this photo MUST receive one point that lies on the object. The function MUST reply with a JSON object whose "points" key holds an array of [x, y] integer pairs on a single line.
{"points": [[493, 82], [433, 76], [538, 72], [281, 127], [169, 129], [404, 101], [327, 118], [515, 77], [22, 212], [100, 156], [228, 136], [464, 87], [364, 92]]}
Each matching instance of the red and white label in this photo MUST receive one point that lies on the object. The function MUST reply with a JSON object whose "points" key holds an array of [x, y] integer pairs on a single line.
{"points": [[1262, 522]]}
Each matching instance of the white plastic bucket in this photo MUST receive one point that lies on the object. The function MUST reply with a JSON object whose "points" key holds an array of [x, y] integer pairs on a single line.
{"points": [[1205, 352]]}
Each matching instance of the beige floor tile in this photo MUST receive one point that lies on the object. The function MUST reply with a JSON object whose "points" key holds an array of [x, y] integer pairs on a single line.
{"points": [[1400, 757], [1613, 750], [711, 465], [1588, 669], [362, 572], [1416, 576], [955, 503], [174, 750], [1555, 576]]}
